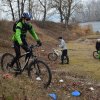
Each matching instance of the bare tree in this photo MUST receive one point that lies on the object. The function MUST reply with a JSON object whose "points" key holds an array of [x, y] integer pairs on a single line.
{"points": [[44, 5], [90, 12], [65, 8], [58, 5], [30, 6], [20, 6], [9, 4]]}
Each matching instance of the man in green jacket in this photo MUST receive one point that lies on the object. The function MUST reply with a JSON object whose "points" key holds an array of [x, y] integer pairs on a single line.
{"points": [[19, 37]]}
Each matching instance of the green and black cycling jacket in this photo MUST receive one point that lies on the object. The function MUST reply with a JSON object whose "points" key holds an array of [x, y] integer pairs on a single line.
{"points": [[21, 29]]}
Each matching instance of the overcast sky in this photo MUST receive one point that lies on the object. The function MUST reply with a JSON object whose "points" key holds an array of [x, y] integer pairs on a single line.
{"points": [[6, 16]]}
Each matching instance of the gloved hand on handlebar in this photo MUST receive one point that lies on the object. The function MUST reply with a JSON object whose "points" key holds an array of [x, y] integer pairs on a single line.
{"points": [[39, 43]]}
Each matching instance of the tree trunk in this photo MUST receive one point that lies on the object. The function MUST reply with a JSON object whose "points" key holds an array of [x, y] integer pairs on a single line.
{"points": [[18, 4], [12, 11]]}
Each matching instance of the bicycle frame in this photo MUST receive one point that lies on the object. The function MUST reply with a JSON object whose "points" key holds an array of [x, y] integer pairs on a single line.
{"points": [[58, 52], [27, 60]]}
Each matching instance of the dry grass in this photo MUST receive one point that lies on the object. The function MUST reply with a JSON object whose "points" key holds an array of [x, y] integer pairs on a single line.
{"points": [[82, 61], [82, 73]]}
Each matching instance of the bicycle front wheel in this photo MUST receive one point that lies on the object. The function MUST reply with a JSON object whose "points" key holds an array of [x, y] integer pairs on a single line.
{"points": [[52, 56], [6, 60], [95, 54], [41, 73]]}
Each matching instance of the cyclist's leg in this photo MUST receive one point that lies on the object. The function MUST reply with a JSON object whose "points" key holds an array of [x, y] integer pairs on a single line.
{"points": [[17, 52], [25, 46]]}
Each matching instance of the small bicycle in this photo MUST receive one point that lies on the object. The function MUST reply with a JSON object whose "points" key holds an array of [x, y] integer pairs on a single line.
{"points": [[30, 62], [96, 54], [55, 54]]}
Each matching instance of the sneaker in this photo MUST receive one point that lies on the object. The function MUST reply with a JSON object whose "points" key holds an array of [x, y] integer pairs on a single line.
{"points": [[67, 63]]}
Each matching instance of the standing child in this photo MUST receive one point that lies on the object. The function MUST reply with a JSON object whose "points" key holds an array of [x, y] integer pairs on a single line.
{"points": [[63, 46]]}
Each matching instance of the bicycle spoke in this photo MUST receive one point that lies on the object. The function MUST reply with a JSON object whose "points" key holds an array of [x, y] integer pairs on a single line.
{"points": [[41, 72], [52, 56], [6, 63]]}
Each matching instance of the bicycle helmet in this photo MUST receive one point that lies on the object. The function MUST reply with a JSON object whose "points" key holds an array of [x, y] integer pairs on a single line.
{"points": [[26, 15]]}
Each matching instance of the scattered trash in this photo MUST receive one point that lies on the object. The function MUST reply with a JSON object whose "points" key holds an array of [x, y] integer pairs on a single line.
{"points": [[91, 88], [42, 50], [76, 84], [68, 96], [61, 80], [89, 83], [38, 78], [53, 96], [7, 76], [76, 93]]}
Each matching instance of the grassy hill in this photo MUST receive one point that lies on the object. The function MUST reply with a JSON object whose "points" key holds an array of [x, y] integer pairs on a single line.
{"points": [[82, 73]]}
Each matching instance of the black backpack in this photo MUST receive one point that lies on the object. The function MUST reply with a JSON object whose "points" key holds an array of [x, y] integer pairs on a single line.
{"points": [[14, 26], [25, 27]]}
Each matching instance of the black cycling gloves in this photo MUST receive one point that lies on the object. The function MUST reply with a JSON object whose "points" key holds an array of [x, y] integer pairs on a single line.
{"points": [[39, 43]]}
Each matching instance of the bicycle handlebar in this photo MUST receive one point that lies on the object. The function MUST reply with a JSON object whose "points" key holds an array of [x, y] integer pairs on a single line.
{"points": [[33, 46]]}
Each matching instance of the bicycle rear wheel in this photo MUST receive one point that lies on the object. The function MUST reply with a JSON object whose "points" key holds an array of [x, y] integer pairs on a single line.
{"points": [[95, 54], [41, 70], [6, 60], [52, 56]]}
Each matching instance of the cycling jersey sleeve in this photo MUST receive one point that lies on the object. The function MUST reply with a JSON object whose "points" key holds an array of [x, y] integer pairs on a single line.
{"points": [[18, 33], [33, 33]]}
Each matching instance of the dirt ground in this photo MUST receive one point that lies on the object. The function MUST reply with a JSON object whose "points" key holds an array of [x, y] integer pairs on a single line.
{"points": [[82, 74]]}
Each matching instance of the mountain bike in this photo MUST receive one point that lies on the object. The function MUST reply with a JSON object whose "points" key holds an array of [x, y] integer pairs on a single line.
{"points": [[30, 62], [55, 54], [96, 54]]}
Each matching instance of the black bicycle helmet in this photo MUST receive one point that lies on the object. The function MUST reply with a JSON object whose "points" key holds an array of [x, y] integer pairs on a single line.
{"points": [[26, 15]]}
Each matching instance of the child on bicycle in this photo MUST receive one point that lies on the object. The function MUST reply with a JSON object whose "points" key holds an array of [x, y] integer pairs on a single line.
{"points": [[98, 47], [63, 46]]}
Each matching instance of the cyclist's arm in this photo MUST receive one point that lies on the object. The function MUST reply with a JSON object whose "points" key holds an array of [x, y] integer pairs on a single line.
{"points": [[18, 33], [33, 33]]}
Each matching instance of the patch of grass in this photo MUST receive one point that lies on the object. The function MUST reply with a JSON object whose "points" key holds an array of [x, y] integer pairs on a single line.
{"points": [[82, 61]]}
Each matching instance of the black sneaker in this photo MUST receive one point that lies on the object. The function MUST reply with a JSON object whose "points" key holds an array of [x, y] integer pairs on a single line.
{"points": [[16, 69], [67, 63]]}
